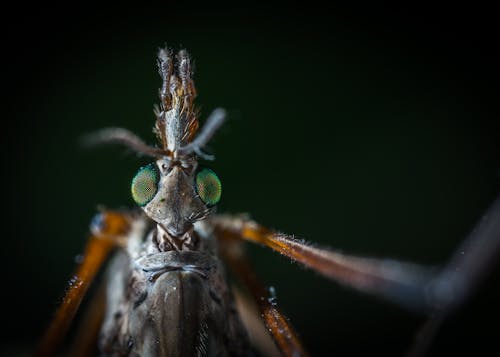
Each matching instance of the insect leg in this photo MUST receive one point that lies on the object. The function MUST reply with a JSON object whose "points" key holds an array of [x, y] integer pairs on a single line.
{"points": [[473, 258], [250, 316], [109, 230], [410, 285], [282, 332], [403, 283], [85, 341], [460, 277]]}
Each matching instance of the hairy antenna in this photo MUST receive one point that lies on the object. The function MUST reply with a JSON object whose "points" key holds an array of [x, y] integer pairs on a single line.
{"points": [[124, 137], [214, 121]]}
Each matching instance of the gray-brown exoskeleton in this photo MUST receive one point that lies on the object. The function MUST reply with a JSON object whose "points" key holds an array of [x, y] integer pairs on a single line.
{"points": [[166, 291]]}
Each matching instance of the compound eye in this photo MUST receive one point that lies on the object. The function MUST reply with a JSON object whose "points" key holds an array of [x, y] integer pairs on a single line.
{"points": [[208, 186], [145, 184]]}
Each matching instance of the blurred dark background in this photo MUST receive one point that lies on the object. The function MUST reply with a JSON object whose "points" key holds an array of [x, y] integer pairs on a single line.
{"points": [[371, 130]]}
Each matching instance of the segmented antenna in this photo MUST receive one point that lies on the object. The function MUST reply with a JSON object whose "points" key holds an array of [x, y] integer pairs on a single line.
{"points": [[165, 68], [177, 121], [176, 117]]}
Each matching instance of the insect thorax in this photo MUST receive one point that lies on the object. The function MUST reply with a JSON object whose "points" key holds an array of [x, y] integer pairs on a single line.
{"points": [[170, 303]]}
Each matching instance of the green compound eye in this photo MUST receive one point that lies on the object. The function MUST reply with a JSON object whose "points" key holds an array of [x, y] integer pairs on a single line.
{"points": [[208, 186], [145, 184]]}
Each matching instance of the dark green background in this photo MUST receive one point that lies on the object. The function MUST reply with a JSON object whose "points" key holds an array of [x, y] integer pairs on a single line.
{"points": [[371, 131]]}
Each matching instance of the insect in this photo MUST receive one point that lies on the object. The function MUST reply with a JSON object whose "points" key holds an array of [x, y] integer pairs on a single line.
{"points": [[166, 288]]}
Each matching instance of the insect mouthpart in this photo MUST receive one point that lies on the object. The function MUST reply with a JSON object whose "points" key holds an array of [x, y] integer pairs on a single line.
{"points": [[172, 238]]}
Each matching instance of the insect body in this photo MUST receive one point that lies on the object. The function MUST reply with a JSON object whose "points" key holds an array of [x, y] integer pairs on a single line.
{"points": [[167, 293], [171, 303]]}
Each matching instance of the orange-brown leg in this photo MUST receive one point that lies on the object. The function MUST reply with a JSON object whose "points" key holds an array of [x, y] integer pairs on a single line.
{"points": [[109, 230], [403, 283], [282, 332], [250, 316], [85, 341], [410, 285]]}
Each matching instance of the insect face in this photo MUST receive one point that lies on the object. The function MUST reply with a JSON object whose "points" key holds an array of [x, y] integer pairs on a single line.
{"points": [[175, 194]]}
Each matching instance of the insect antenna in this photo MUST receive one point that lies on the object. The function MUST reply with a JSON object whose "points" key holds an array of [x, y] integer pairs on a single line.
{"points": [[185, 73], [214, 121], [165, 69], [124, 137]]}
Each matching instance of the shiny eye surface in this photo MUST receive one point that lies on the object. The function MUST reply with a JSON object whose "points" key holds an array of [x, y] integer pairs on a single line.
{"points": [[208, 186], [145, 184]]}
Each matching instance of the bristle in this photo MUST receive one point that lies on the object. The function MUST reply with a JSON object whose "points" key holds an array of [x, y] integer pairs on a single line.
{"points": [[176, 122]]}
